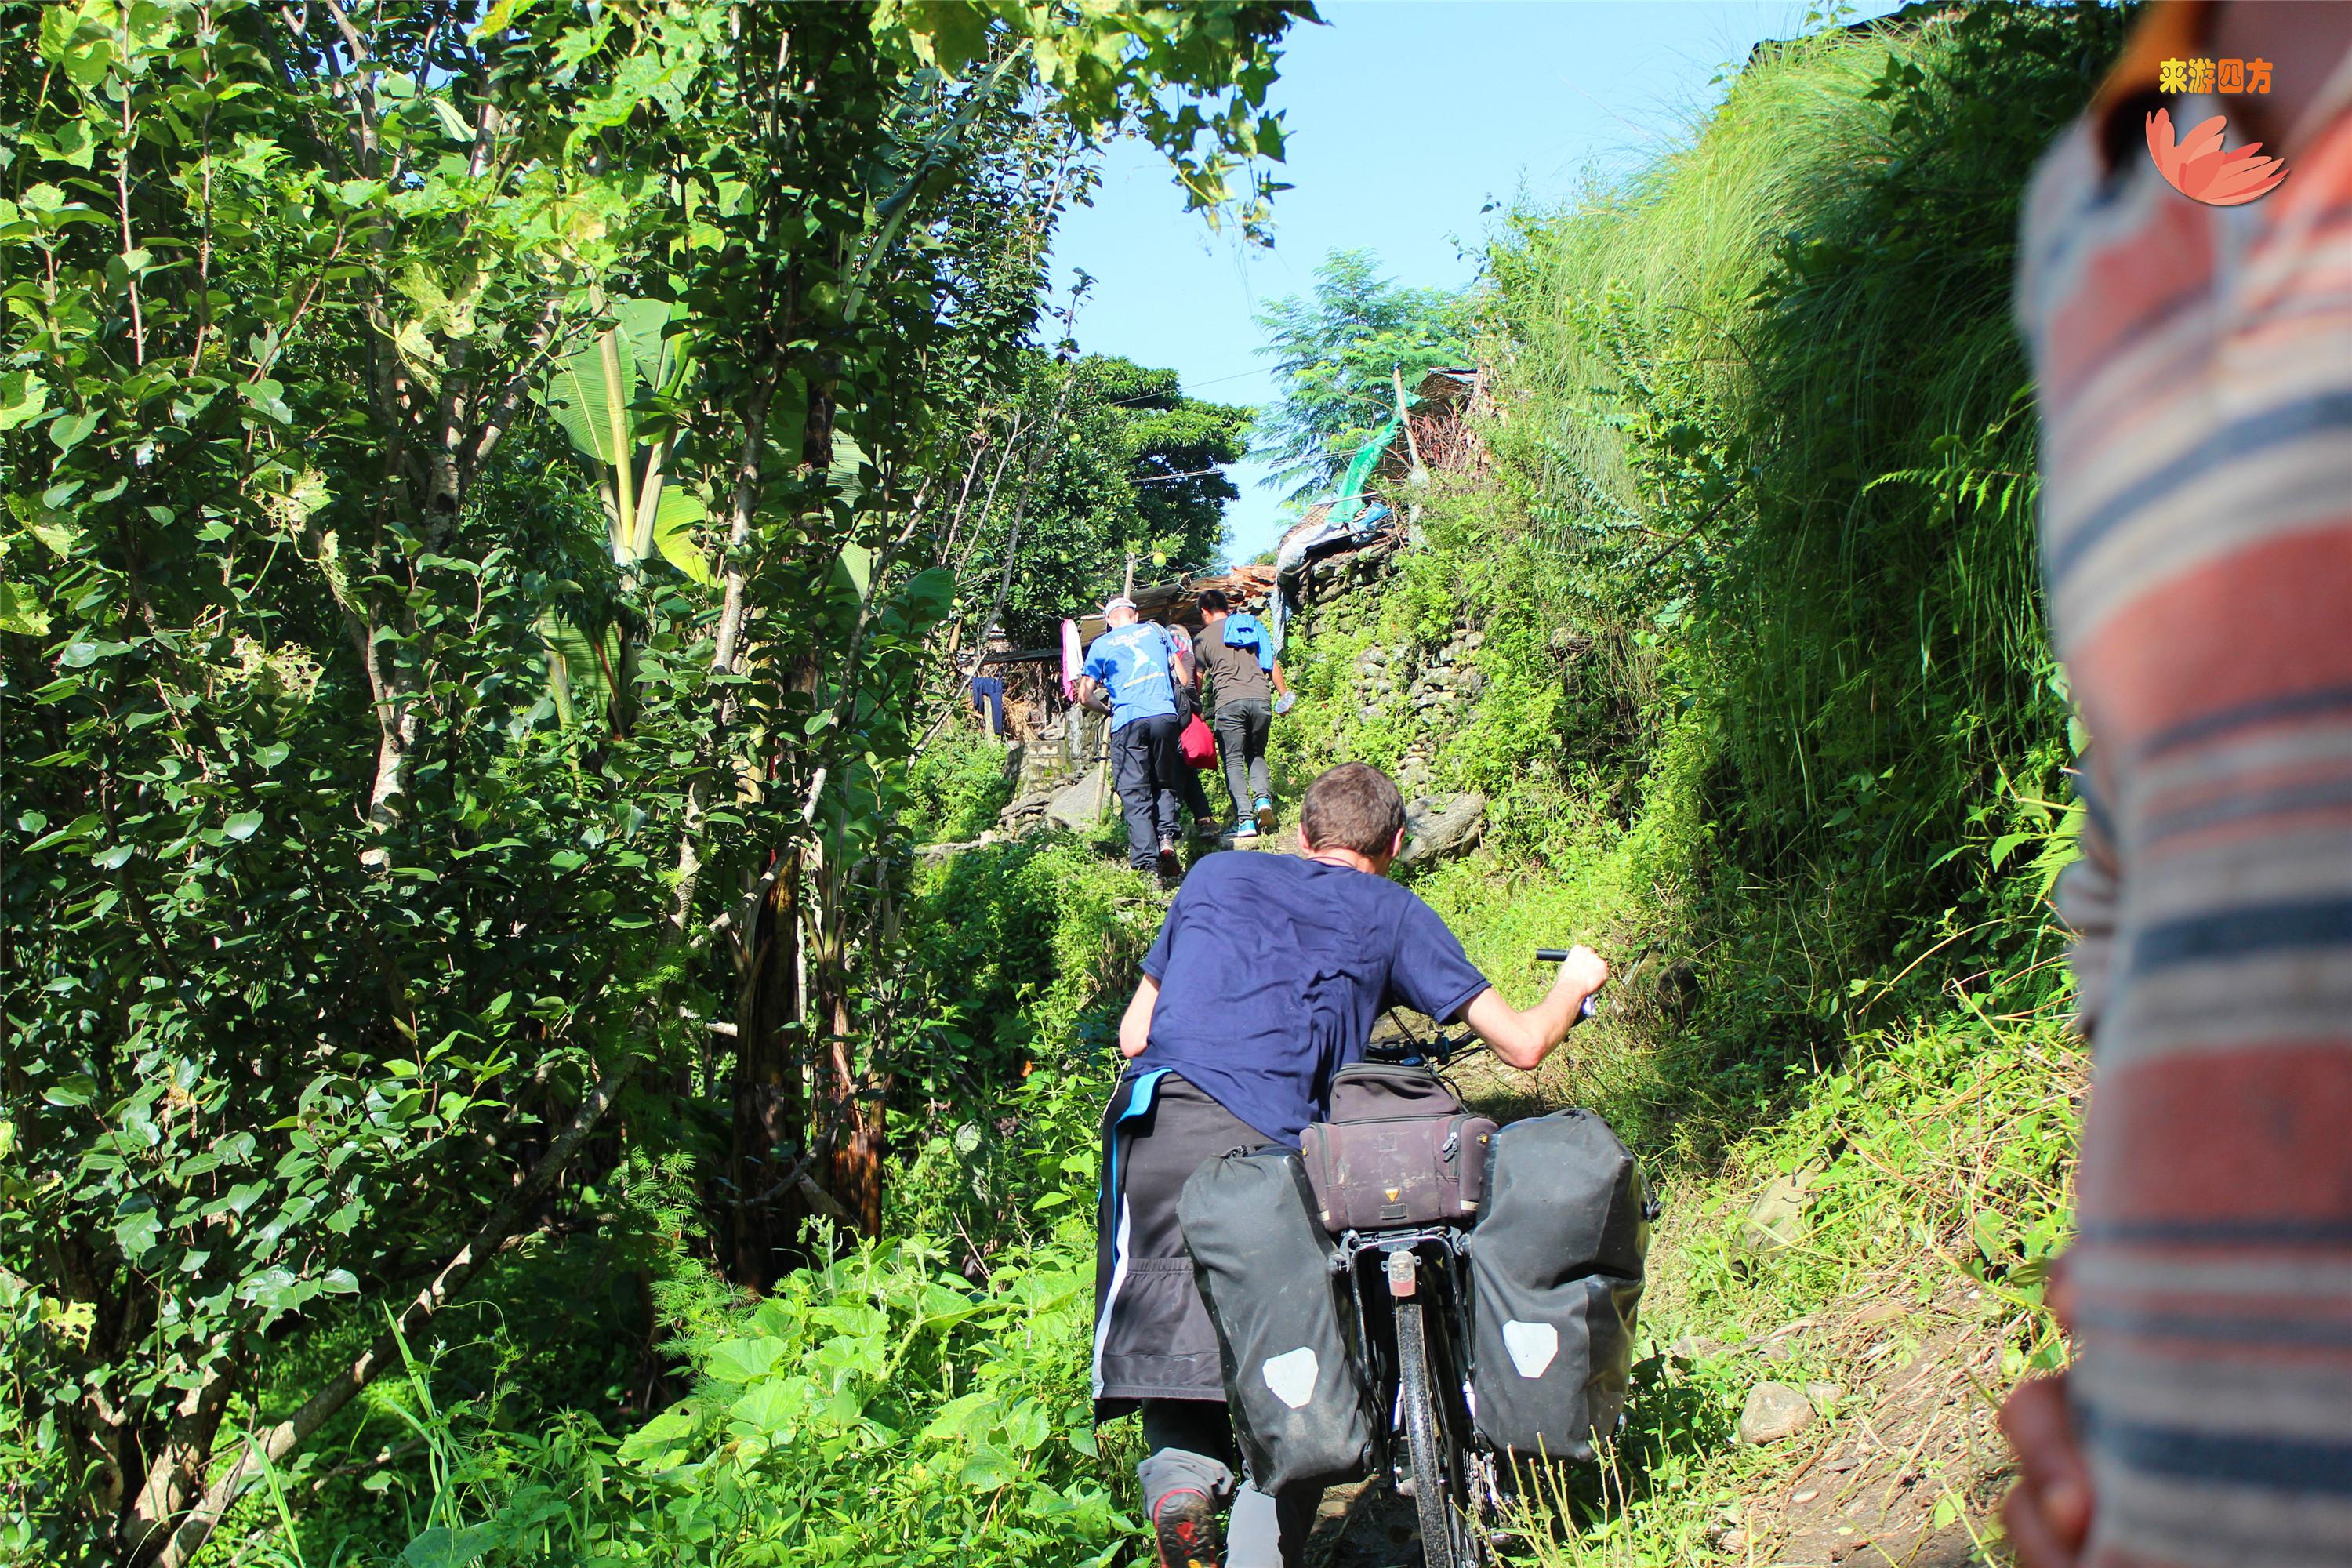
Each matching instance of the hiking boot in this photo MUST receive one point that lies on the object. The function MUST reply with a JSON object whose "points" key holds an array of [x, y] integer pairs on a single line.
{"points": [[1204, 829], [1184, 1528], [1245, 828], [1264, 815], [1168, 866]]}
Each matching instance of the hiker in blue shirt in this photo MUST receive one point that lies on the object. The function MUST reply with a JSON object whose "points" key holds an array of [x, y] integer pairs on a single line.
{"points": [[1235, 654], [1263, 983], [1147, 674]]}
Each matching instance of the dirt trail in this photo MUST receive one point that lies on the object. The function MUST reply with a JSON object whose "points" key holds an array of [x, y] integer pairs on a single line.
{"points": [[1879, 1482]]}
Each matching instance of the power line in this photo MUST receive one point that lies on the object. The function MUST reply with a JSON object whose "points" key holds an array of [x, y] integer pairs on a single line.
{"points": [[1165, 478]]}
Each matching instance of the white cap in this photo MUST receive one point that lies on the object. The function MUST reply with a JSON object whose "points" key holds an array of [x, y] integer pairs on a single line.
{"points": [[1117, 602]]}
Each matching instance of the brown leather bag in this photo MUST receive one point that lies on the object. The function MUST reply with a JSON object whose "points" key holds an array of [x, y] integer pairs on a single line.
{"points": [[1398, 1149]]}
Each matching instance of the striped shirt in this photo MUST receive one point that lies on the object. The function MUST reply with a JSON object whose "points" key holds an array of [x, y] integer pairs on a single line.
{"points": [[2195, 374]]}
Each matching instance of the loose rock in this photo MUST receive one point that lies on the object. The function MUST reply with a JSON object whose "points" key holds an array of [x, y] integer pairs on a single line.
{"points": [[1777, 1221], [1078, 805], [1438, 826], [1774, 1410]]}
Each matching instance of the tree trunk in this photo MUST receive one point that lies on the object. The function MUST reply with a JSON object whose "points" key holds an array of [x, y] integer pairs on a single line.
{"points": [[854, 1110], [849, 1113], [771, 1099]]}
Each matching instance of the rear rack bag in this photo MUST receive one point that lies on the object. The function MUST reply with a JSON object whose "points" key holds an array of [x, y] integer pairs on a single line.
{"points": [[1398, 1149], [1285, 1320], [1555, 1280]]}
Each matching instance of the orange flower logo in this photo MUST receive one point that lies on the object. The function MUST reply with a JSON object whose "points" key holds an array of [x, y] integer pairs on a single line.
{"points": [[2198, 168]]}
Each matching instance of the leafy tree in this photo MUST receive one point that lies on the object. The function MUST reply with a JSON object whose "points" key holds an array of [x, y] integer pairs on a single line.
{"points": [[1336, 356], [1124, 464], [329, 951]]}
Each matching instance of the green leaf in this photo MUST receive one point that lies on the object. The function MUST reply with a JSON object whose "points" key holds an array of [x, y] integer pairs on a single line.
{"points": [[927, 598], [768, 1408], [76, 1089], [136, 1232], [242, 826], [743, 1361], [673, 521], [452, 122], [656, 358], [70, 430], [847, 473], [24, 397], [657, 1443], [857, 565], [442, 1547], [19, 614]]}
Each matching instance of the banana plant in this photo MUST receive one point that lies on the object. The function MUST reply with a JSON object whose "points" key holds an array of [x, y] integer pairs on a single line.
{"points": [[592, 396]]}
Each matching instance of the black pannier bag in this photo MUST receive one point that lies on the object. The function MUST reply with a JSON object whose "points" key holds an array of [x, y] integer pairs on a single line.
{"points": [[1555, 1279], [1398, 1149], [1284, 1318]]}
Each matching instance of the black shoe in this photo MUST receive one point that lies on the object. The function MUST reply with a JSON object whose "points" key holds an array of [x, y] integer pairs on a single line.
{"points": [[1184, 1528], [1168, 866]]}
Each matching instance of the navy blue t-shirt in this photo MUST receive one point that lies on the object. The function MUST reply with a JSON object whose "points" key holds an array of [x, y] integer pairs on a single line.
{"points": [[1272, 969]]}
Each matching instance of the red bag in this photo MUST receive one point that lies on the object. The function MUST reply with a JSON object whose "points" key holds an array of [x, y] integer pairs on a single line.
{"points": [[1197, 743]]}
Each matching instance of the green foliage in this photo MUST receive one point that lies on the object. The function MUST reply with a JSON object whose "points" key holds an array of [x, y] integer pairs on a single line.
{"points": [[882, 1408], [378, 830], [879, 1410], [1336, 357], [1027, 937], [956, 788], [1145, 62]]}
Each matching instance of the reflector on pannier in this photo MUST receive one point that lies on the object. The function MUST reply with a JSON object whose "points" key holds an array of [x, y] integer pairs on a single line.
{"points": [[1284, 1318], [1555, 1279]]}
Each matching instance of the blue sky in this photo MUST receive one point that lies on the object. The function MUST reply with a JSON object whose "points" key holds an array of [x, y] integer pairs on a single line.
{"points": [[1404, 119]]}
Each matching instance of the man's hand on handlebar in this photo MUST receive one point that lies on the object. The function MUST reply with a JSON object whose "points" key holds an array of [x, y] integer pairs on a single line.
{"points": [[1522, 1040], [1583, 970]]}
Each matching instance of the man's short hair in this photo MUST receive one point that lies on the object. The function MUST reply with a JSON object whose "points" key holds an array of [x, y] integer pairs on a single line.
{"points": [[1213, 599], [1352, 806]]}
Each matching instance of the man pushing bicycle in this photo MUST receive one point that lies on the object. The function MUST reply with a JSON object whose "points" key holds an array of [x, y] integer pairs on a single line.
{"points": [[1264, 982]]}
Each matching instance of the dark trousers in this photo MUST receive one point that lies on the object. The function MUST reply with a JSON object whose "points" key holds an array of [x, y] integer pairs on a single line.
{"points": [[1145, 768], [1241, 727]]}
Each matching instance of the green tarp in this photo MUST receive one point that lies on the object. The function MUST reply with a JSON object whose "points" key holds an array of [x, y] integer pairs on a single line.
{"points": [[1351, 498]]}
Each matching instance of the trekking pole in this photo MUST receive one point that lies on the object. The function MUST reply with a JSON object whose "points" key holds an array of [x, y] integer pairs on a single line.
{"points": [[1591, 1008]]}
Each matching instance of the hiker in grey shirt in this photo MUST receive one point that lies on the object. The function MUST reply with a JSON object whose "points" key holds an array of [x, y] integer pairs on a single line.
{"points": [[1244, 675]]}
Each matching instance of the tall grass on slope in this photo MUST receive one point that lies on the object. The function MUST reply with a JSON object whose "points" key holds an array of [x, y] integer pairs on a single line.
{"points": [[1766, 406]]}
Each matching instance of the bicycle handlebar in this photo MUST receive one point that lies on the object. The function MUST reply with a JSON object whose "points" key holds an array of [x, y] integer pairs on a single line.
{"points": [[1441, 1047]]}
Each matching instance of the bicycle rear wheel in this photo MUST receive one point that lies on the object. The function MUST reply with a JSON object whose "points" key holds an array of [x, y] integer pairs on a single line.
{"points": [[1440, 1494]]}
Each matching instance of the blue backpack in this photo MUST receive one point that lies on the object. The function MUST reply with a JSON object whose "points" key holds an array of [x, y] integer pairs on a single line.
{"points": [[1247, 630]]}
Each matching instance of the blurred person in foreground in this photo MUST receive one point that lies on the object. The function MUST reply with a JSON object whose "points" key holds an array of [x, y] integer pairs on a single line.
{"points": [[2194, 368]]}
